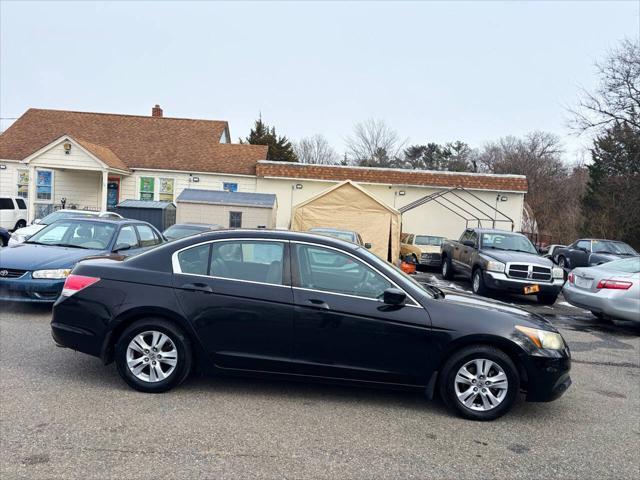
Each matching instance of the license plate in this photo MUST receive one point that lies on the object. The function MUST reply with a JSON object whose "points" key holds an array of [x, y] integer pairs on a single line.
{"points": [[531, 289], [583, 282]]}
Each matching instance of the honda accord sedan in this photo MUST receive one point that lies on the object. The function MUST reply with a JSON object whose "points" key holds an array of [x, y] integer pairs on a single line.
{"points": [[303, 306]]}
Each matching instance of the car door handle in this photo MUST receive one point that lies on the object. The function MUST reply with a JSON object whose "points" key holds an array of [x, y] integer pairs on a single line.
{"points": [[319, 303], [201, 287]]}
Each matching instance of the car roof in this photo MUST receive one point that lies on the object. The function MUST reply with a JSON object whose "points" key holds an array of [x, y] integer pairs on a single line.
{"points": [[194, 224], [108, 220], [493, 230], [330, 229]]}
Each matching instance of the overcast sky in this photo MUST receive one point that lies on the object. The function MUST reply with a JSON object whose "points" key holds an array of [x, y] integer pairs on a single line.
{"points": [[433, 71]]}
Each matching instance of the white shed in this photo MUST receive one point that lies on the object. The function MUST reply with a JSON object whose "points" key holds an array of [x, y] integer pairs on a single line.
{"points": [[229, 209]]}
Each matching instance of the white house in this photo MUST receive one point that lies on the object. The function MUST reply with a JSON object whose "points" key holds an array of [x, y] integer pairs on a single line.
{"points": [[95, 160]]}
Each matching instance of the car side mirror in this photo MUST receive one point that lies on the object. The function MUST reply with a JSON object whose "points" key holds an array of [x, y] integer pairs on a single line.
{"points": [[394, 296], [37, 221], [368, 246], [121, 246], [469, 243]]}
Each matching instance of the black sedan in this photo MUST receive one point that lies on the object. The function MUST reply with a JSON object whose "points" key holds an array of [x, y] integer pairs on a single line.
{"points": [[296, 305], [589, 252]]}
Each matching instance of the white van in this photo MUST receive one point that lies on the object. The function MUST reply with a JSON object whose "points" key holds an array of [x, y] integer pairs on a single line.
{"points": [[13, 213]]}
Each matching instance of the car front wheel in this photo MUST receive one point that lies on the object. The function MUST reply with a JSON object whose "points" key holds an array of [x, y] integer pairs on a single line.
{"points": [[479, 383], [477, 283], [447, 270], [153, 355]]}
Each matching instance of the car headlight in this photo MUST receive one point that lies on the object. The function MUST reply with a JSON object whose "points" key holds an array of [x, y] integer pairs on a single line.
{"points": [[542, 338], [493, 266], [558, 272], [52, 274]]}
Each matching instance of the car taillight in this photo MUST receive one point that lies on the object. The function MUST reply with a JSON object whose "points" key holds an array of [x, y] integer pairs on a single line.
{"points": [[571, 278], [615, 284], [75, 283]]}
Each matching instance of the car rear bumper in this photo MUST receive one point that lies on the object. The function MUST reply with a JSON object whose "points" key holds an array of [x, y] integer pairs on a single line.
{"points": [[78, 325], [27, 289], [499, 281], [613, 303]]}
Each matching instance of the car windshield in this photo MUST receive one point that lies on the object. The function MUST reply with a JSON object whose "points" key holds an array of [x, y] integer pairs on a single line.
{"points": [[627, 265], [607, 246], [181, 231], [76, 234], [429, 240], [340, 234], [55, 216], [507, 241]]}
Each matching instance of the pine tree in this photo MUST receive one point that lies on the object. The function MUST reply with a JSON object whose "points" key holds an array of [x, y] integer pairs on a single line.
{"points": [[611, 205], [280, 148]]}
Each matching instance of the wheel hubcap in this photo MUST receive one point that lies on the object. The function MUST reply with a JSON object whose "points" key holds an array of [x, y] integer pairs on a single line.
{"points": [[481, 385], [476, 282], [152, 356]]}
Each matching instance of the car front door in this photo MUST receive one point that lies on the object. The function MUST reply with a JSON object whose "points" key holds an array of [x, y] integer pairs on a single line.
{"points": [[344, 330], [237, 295], [580, 254], [466, 252]]}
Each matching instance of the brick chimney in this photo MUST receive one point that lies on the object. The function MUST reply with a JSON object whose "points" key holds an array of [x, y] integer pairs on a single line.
{"points": [[156, 111]]}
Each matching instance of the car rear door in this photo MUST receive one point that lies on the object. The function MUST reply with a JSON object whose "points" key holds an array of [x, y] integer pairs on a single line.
{"points": [[237, 294], [343, 329], [7, 213], [580, 254]]}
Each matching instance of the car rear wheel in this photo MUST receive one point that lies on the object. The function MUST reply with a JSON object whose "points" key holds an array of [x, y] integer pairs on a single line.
{"points": [[479, 383], [153, 355], [562, 262], [447, 271], [20, 224]]}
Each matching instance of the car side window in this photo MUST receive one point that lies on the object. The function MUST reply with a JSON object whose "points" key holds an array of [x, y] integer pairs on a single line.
{"points": [[127, 237], [147, 236], [6, 204], [584, 244], [410, 240], [335, 272], [195, 260], [465, 236], [473, 236], [21, 204], [250, 260]]}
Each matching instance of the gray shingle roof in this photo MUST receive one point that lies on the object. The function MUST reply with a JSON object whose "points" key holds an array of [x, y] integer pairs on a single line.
{"points": [[130, 203], [219, 197]]}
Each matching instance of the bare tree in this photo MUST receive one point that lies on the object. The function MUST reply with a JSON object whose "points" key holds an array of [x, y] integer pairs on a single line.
{"points": [[554, 190], [617, 97], [316, 150], [374, 144]]}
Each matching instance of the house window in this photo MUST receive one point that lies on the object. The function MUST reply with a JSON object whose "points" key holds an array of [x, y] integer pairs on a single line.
{"points": [[230, 187], [147, 187], [44, 185], [23, 183], [166, 190], [235, 219]]}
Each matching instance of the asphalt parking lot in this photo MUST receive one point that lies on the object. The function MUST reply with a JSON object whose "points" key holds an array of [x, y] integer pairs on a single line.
{"points": [[65, 415]]}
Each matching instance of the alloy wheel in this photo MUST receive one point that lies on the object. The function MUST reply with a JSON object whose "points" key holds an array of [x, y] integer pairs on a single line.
{"points": [[152, 356], [481, 385], [476, 282]]}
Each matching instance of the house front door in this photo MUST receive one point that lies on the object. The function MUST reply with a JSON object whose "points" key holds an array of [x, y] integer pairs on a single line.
{"points": [[113, 192]]}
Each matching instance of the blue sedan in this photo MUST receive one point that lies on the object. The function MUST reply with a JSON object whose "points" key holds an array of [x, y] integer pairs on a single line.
{"points": [[35, 271]]}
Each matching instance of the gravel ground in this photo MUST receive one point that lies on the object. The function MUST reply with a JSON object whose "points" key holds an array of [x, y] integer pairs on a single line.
{"points": [[65, 415]]}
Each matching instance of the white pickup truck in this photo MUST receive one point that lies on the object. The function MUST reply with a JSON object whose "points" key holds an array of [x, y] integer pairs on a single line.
{"points": [[13, 213]]}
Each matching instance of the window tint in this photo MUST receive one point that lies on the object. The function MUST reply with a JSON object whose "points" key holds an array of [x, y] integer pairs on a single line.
{"points": [[332, 271], [21, 204], [127, 236], [254, 261], [6, 204], [147, 237], [235, 219], [195, 260]]}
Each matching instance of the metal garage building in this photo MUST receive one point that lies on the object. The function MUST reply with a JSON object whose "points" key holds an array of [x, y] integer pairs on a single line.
{"points": [[229, 209]]}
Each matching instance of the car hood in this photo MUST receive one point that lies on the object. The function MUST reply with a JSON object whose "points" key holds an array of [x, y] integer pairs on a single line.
{"points": [[505, 256], [611, 256], [25, 256], [489, 310], [30, 230]]}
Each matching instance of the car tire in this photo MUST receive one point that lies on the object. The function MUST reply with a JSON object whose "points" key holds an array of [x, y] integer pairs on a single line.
{"points": [[453, 392], [20, 224], [477, 283], [562, 262], [447, 269], [546, 299], [176, 350]]}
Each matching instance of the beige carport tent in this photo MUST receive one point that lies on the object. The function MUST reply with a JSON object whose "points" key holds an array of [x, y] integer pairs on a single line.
{"points": [[348, 206]]}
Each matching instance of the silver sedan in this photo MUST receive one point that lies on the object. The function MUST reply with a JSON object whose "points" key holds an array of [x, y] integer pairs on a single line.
{"points": [[610, 290]]}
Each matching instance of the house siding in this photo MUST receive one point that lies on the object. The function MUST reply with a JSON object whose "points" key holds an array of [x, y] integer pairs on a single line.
{"points": [[56, 158], [81, 188], [9, 178]]}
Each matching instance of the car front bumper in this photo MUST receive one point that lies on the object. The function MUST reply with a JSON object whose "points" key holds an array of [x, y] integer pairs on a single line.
{"points": [[499, 281], [547, 376], [612, 303], [430, 259], [28, 289]]}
